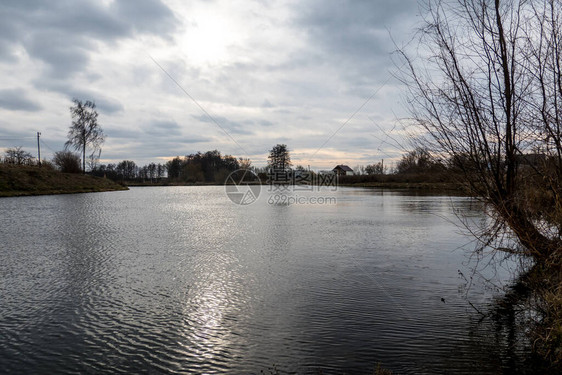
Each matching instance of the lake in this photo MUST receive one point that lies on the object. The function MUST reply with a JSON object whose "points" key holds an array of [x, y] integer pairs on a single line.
{"points": [[181, 280]]}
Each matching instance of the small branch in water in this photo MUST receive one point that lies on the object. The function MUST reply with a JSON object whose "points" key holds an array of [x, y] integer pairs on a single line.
{"points": [[477, 310]]}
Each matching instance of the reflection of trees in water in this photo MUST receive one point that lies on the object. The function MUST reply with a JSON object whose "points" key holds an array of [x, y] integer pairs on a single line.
{"points": [[506, 330]]}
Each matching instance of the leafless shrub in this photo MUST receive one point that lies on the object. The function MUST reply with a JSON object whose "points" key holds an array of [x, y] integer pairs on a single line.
{"points": [[67, 162]]}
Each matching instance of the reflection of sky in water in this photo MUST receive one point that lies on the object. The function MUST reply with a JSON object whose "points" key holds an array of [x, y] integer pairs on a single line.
{"points": [[205, 312], [180, 279]]}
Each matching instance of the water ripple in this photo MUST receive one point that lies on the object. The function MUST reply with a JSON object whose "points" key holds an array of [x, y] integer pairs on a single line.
{"points": [[179, 280]]}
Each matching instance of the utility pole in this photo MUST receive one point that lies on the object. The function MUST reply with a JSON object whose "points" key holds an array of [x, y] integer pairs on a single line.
{"points": [[38, 148]]}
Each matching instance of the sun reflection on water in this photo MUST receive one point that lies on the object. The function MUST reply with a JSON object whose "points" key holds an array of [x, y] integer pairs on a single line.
{"points": [[213, 297]]}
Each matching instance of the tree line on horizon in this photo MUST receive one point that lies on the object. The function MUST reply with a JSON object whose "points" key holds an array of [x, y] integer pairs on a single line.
{"points": [[209, 167], [213, 167]]}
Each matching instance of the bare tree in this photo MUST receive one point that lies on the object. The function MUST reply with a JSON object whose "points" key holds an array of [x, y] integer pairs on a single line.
{"points": [[488, 96], [160, 170], [359, 170], [84, 131], [17, 156], [127, 169], [245, 163], [377, 168], [279, 158], [93, 160], [418, 160], [151, 171]]}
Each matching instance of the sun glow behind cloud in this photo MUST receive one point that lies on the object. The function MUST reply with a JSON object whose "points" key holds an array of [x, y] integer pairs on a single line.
{"points": [[206, 41], [207, 35]]}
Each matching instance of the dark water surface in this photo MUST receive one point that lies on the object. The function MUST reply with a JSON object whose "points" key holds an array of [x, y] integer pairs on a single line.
{"points": [[180, 280]]}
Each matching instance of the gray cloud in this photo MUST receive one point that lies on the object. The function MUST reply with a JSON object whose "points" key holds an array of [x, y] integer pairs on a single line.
{"points": [[265, 123], [226, 124], [355, 35], [260, 122], [117, 133], [148, 16], [164, 139], [267, 104], [164, 128], [354, 28], [156, 148], [12, 133], [107, 105], [63, 57], [104, 103], [62, 33], [17, 100]]}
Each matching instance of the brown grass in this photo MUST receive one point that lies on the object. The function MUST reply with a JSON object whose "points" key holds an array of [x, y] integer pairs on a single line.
{"points": [[18, 180]]}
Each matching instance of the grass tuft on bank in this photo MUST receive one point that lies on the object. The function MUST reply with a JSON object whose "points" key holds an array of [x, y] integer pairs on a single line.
{"points": [[20, 180]]}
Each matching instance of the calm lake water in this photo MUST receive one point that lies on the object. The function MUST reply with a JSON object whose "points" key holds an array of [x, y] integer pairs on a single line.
{"points": [[181, 280]]}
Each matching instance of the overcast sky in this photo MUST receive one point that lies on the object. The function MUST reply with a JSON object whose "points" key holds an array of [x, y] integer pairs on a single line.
{"points": [[175, 77]]}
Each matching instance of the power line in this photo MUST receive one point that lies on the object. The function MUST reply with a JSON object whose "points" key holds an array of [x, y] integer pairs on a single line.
{"points": [[46, 145], [353, 115], [199, 105], [15, 139]]}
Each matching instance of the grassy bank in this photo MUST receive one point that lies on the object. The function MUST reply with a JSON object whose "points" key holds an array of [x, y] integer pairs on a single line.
{"points": [[408, 185], [165, 182], [442, 181], [438, 182], [18, 180]]}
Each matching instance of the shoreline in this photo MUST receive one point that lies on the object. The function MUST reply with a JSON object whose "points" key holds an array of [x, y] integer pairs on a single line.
{"points": [[22, 180], [21, 193], [451, 187]]}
